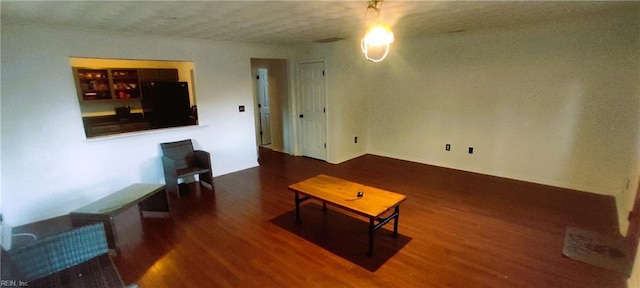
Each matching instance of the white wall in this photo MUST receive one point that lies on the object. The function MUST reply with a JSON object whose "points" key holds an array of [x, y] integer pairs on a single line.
{"points": [[347, 90], [553, 103], [627, 198], [49, 169]]}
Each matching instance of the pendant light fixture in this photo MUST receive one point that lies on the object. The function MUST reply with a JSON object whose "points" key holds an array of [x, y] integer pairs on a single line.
{"points": [[375, 44]]}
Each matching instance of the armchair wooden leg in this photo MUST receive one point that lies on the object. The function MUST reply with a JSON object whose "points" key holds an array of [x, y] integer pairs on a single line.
{"points": [[198, 193], [206, 180]]}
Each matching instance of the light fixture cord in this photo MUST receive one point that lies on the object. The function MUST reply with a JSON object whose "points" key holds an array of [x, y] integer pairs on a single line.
{"points": [[375, 5]]}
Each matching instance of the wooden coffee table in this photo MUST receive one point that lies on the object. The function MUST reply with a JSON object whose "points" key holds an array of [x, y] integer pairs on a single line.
{"points": [[372, 202]]}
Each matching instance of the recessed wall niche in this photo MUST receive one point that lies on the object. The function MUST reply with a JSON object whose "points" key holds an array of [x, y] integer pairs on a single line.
{"points": [[119, 96]]}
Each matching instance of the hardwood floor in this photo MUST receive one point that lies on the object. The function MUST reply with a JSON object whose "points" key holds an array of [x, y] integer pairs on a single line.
{"points": [[457, 229]]}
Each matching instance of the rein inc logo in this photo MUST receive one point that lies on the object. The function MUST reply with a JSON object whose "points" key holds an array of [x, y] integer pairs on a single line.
{"points": [[13, 283]]}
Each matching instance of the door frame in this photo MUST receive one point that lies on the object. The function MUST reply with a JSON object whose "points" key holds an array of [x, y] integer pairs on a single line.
{"points": [[260, 131], [256, 111], [283, 72]]}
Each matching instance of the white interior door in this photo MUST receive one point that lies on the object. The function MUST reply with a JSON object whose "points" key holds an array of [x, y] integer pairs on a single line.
{"points": [[312, 116], [263, 106]]}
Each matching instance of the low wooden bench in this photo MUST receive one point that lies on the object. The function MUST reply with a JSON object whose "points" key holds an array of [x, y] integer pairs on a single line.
{"points": [[150, 198]]}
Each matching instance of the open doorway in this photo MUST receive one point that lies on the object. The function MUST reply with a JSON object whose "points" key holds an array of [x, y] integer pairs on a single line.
{"points": [[264, 110], [271, 104]]}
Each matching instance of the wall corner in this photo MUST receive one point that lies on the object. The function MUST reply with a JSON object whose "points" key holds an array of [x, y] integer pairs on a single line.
{"points": [[5, 235], [623, 221]]}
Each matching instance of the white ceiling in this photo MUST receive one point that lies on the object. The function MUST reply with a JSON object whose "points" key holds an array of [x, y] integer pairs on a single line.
{"points": [[291, 22]]}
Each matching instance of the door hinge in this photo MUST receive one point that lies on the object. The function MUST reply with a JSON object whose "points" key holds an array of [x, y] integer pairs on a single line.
{"points": [[260, 133], [324, 110], [325, 145], [322, 72]]}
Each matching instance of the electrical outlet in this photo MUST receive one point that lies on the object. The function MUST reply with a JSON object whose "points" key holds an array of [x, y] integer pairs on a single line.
{"points": [[447, 147], [470, 150]]}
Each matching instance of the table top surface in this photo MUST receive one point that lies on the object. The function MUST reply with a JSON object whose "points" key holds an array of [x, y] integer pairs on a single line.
{"points": [[344, 193], [120, 200]]}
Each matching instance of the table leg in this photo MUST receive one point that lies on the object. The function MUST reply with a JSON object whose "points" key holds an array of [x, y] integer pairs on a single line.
{"points": [[297, 199], [198, 191], [371, 230], [155, 206], [395, 222]]}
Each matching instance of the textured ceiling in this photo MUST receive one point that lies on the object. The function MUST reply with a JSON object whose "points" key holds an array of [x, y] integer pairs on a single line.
{"points": [[290, 22]]}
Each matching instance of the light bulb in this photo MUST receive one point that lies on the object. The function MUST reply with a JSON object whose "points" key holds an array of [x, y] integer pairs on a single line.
{"points": [[376, 42], [378, 35]]}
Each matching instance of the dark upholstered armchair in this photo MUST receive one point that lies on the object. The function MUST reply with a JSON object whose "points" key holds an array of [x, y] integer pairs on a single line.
{"points": [[75, 258], [179, 160]]}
